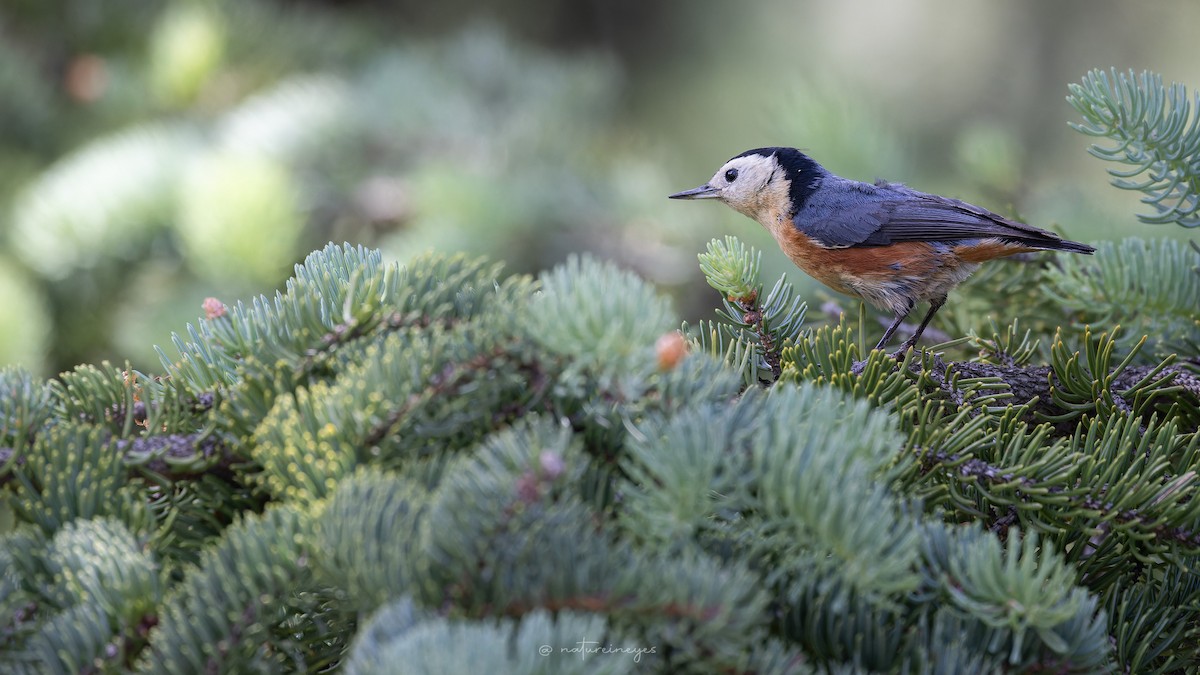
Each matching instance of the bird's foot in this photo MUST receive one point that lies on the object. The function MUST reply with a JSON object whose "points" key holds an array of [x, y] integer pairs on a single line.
{"points": [[902, 352]]}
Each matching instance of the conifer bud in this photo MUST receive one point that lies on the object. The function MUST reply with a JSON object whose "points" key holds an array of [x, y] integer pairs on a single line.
{"points": [[213, 308], [671, 348]]}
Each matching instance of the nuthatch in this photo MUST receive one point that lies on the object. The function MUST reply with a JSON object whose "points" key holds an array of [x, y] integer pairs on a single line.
{"points": [[885, 243]]}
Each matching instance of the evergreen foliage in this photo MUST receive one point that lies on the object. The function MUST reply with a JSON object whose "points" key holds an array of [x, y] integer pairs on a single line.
{"points": [[435, 467], [1155, 130], [1151, 287]]}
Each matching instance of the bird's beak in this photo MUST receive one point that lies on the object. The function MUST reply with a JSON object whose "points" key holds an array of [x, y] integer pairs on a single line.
{"points": [[705, 191]]}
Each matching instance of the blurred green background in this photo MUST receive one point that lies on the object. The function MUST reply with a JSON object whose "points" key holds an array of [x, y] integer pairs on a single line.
{"points": [[156, 153]]}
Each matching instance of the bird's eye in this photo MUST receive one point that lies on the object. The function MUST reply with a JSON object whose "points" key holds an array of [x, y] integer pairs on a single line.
{"points": [[731, 175]]}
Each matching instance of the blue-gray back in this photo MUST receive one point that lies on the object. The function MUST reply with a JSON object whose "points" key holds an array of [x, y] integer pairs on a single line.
{"points": [[841, 213]]}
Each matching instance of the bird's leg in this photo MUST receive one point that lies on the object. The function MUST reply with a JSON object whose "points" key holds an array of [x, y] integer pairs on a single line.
{"points": [[887, 334], [934, 305]]}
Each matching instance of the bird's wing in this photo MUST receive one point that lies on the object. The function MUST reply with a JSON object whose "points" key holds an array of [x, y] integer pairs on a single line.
{"points": [[882, 215]]}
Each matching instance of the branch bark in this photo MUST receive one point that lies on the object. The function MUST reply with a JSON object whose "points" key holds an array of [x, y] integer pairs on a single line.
{"points": [[1029, 382]]}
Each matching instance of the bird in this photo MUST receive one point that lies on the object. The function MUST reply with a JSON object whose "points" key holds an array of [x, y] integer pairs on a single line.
{"points": [[882, 242]]}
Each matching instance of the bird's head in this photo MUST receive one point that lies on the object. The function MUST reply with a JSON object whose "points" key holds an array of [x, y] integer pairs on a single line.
{"points": [[762, 183]]}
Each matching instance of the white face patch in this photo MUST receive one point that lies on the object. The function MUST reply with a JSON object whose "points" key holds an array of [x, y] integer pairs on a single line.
{"points": [[753, 185]]}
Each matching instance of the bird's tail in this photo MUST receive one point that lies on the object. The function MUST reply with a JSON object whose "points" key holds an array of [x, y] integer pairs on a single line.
{"points": [[1051, 242], [1066, 245]]}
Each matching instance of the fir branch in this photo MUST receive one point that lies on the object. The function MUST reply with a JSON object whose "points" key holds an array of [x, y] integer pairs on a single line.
{"points": [[260, 560], [451, 377], [347, 333], [975, 469], [766, 325], [1035, 385], [1180, 535], [1155, 130], [1150, 286], [178, 456], [172, 457], [753, 314]]}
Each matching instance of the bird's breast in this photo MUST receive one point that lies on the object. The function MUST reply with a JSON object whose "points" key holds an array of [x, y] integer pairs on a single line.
{"points": [[889, 277]]}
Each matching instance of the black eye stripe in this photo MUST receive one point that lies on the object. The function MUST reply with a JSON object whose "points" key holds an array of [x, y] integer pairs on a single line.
{"points": [[731, 175]]}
